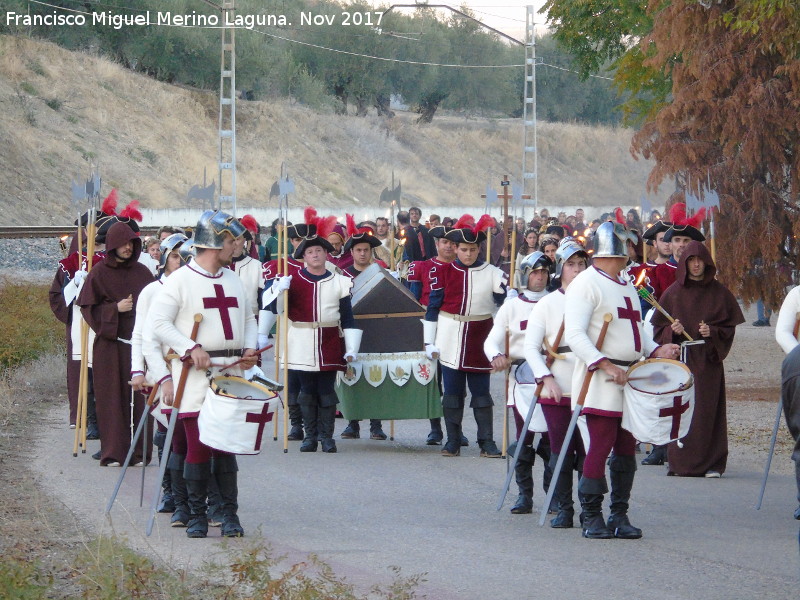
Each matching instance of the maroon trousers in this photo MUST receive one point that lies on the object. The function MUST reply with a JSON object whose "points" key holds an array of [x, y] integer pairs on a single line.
{"points": [[605, 434], [558, 417]]}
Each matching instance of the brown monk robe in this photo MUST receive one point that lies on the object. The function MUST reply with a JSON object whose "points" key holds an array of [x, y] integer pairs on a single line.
{"points": [[708, 311], [102, 300]]}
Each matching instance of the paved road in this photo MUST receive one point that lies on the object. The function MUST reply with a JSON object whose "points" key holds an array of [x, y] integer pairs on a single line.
{"points": [[399, 503]]}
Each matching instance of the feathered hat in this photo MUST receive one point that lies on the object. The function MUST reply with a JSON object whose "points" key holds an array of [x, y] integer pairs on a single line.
{"points": [[684, 225], [317, 231], [130, 215], [359, 235], [467, 231]]}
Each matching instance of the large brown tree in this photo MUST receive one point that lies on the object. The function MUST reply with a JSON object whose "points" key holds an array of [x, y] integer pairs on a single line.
{"points": [[734, 115]]}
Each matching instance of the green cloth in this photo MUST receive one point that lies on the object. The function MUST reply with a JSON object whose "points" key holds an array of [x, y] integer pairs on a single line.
{"points": [[388, 401]]}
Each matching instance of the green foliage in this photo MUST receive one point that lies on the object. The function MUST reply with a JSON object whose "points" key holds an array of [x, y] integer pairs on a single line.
{"points": [[20, 579], [29, 327], [28, 88], [54, 103]]}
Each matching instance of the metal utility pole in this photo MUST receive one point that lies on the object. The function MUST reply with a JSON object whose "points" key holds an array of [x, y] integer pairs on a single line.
{"points": [[530, 162], [227, 111]]}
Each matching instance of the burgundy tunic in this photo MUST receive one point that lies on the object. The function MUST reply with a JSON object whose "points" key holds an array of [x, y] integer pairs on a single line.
{"points": [[108, 283], [706, 446], [420, 272]]}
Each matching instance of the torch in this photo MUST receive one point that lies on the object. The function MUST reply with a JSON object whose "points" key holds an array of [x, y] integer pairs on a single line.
{"points": [[648, 297]]}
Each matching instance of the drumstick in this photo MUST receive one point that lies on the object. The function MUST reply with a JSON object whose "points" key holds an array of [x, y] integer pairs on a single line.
{"points": [[657, 377], [241, 360]]}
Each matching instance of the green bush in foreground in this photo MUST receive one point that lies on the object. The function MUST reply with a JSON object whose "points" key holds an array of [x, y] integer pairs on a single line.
{"points": [[29, 327]]}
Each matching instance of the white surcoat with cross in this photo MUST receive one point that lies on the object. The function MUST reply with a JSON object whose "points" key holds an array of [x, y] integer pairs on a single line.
{"points": [[589, 297]]}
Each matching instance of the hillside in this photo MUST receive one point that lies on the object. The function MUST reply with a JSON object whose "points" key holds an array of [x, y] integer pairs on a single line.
{"points": [[63, 111]]}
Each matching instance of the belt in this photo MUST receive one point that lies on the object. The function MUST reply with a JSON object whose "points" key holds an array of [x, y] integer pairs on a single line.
{"points": [[465, 318], [124, 341], [623, 363], [518, 362], [314, 324], [562, 349], [225, 353]]}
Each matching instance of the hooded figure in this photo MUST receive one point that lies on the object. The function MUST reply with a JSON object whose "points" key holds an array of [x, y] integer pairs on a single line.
{"points": [[108, 303], [708, 311]]}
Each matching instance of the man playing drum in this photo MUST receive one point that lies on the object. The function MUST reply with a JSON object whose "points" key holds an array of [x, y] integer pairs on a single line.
{"points": [[228, 331], [595, 293]]}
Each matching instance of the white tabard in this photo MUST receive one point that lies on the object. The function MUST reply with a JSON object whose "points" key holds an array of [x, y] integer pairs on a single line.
{"points": [[251, 273], [589, 297], [228, 323], [784, 328]]}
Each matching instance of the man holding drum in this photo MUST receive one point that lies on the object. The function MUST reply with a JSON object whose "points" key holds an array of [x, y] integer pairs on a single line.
{"points": [[597, 292], [228, 331]]}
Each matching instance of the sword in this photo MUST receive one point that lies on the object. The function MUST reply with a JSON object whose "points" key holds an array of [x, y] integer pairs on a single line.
{"points": [[576, 411], [173, 417], [525, 425], [127, 462], [769, 456]]}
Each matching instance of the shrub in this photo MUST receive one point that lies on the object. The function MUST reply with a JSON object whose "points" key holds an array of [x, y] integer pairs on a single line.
{"points": [[29, 327]]}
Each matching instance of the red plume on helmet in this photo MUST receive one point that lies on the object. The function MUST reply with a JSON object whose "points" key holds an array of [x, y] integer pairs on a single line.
{"points": [[483, 224], [249, 222], [677, 214], [466, 221], [109, 206], [132, 211], [619, 216]]}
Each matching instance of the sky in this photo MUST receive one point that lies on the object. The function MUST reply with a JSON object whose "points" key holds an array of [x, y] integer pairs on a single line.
{"points": [[506, 15]]}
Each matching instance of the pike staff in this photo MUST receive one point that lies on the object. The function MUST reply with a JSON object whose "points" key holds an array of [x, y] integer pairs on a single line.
{"points": [[576, 411], [281, 234], [285, 328], [173, 418]]}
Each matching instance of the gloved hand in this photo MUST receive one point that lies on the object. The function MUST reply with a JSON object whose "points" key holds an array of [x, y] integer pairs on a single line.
{"points": [[350, 357], [79, 277], [432, 352], [283, 283]]}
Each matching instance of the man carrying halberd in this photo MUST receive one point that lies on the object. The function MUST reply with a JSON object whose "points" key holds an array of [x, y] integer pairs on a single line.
{"points": [[228, 331], [600, 290]]}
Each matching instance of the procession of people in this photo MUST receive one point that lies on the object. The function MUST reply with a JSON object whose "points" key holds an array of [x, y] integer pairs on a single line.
{"points": [[565, 308]]}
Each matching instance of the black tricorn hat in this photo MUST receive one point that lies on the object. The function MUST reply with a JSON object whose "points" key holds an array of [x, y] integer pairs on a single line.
{"points": [[463, 233], [439, 231], [651, 232], [310, 242]]}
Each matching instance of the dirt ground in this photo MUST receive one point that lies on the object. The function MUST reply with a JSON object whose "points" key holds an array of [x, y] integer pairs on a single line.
{"points": [[38, 528]]}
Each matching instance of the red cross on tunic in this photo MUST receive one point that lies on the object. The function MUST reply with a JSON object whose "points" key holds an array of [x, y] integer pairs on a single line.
{"points": [[675, 411], [223, 303], [262, 418], [634, 316]]}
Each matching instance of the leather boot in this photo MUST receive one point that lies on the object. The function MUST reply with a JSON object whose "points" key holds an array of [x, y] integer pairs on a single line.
{"points": [[657, 456], [435, 436], [523, 473], [543, 451], [225, 469], [376, 430], [352, 431], [594, 527], [214, 512], [166, 504], [180, 517], [296, 421], [196, 477], [482, 409], [797, 477], [453, 410], [622, 470], [92, 429], [562, 496], [327, 421], [308, 405]]}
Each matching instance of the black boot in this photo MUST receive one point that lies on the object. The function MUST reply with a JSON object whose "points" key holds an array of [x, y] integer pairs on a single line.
{"points": [[657, 457], [180, 518], [436, 436], [797, 478], [591, 493], [296, 420], [352, 431], [543, 452], [622, 470], [453, 409], [92, 430], [327, 421], [523, 473], [482, 409], [225, 469], [167, 503], [562, 496], [308, 404], [214, 512], [376, 430], [196, 477]]}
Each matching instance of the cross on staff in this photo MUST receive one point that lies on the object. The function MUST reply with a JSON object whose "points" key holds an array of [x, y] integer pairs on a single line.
{"points": [[517, 197]]}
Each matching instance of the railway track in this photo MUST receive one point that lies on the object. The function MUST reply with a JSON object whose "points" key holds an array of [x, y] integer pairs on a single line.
{"points": [[47, 231]]}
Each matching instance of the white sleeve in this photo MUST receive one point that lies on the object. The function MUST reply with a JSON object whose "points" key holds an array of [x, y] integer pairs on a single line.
{"points": [[156, 365], [495, 342], [534, 338], [163, 312], [499, 280], [784, 328], [579, 307], [142, 307], [250, 327]]}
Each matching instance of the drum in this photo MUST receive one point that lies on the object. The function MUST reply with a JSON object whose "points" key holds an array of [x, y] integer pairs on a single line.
{"points": [[235, 414], [659, 401]]}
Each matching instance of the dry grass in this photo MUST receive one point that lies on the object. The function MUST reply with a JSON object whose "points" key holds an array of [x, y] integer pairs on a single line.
{"points": [[153, 140]]}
